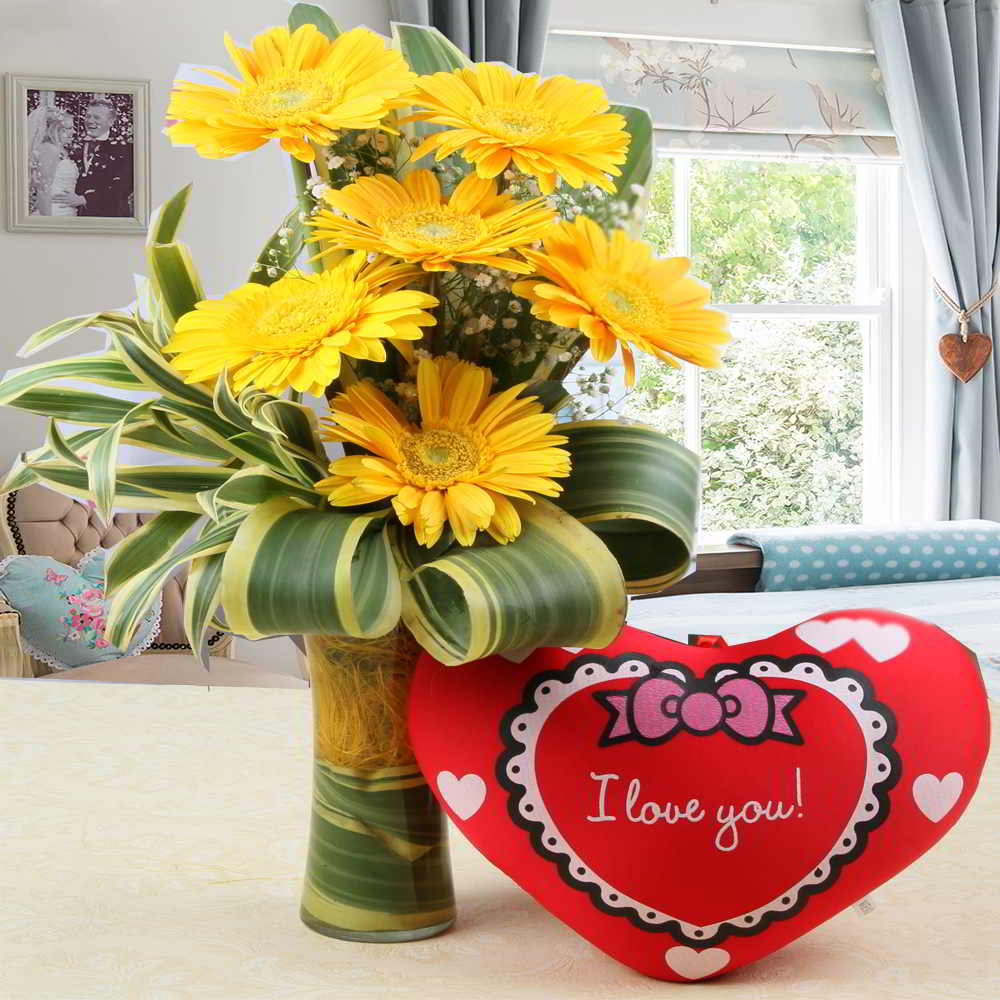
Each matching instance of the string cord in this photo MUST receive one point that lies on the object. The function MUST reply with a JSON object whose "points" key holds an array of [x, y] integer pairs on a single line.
{"points": [[964, 315]]}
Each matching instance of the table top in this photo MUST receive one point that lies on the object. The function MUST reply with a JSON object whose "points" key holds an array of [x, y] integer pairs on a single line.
{"points": [[179, 668], [153, 841]]}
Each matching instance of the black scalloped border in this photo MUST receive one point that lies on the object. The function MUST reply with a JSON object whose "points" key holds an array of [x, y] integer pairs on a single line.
{"points": [[535, 829], [18, 539]]}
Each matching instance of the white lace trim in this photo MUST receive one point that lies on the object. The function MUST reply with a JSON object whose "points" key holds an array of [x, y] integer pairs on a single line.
{"points": [[86, 558]]}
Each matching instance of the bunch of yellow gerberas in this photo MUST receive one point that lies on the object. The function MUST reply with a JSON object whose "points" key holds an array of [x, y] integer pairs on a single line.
{"points": [[398, 238]]}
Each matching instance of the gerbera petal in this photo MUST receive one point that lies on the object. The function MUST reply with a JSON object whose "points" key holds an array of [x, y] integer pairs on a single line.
{"points": [[618, 294], [412, 222], [505, 525], [471, 453], [297, 86]]}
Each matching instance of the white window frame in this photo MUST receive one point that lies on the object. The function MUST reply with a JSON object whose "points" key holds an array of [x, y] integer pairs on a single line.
{"points": [[879, 276]]}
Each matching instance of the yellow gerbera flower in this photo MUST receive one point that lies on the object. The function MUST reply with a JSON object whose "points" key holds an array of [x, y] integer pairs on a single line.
{"points": [[617, 293], [471, 452], [553, 128], [413, 221], [294, 332], [295, 87]]}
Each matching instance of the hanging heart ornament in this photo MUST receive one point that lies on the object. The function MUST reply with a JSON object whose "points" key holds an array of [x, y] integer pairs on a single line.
{"points": [[965, 357]]}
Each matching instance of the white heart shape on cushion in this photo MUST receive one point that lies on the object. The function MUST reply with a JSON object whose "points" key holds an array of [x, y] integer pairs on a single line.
{"points": [[463, 795], [936, 796], [693, 964], [880, 642], [826, 635]]}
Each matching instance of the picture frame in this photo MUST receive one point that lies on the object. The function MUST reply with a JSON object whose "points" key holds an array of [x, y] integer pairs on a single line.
{"points": [[82, 166]]}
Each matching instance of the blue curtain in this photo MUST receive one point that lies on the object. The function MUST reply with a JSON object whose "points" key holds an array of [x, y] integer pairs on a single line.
{"points": [[940, 61], [508, 31]]}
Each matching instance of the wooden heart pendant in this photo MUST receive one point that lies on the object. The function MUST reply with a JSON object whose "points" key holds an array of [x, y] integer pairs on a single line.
{"points": [[965, 358]]}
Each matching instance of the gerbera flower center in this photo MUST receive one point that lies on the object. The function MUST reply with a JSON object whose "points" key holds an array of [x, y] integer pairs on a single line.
{"points": [[513, 123], [290, 323], [437, 457], [440, 227], [629, 300], [283, 94]]}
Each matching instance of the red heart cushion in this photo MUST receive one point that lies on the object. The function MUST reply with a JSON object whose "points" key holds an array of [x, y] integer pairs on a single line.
{"points": [[689, 809]]}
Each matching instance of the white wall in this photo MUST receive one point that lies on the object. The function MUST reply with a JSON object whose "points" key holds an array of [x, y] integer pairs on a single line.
{"points": [[837, 23], [235, 205]]}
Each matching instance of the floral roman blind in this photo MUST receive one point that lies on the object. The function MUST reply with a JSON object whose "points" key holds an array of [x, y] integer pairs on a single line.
{"points": [[743, 99]]}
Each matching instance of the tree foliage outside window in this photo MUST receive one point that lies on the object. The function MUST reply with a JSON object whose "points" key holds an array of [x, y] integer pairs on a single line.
{"points": [[782, 421]]}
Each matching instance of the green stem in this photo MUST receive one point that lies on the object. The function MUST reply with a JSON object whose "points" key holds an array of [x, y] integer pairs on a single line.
{"points": [[302, 174]]}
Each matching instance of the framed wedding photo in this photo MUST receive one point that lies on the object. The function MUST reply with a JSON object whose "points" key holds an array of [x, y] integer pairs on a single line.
{"points": [[77, 155]]}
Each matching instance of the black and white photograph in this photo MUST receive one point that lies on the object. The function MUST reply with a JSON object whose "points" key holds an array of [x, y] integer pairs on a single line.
{"points": [[77, 155]]}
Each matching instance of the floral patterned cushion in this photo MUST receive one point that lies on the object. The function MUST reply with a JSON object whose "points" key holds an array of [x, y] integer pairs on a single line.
{"points": [[63, 610]]}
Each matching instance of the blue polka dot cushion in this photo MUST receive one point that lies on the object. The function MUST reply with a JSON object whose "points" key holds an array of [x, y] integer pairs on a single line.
{"points": [[63, 610], [850, 556]]}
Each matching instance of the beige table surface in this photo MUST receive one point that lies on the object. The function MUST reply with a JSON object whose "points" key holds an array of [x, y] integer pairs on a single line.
{"points": [[152, 841]]}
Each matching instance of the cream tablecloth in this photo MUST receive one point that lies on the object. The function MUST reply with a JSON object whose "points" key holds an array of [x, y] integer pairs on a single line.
{"points": [[153, 840]]}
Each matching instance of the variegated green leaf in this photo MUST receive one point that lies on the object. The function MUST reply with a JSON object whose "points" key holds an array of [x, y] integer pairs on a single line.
{"points": [[135, 597], [21, 474], [18, 476], [188, 444], [290, 422], [173, 480], [426, 50], [639, 491], [54, 333], [251, 487], [638, 166], [227, 406], [142, 307], [556, 584], [72, 480], [202, 594], [552, 395], [73, 406], [166, 424], [167, 218], [102, 369], [252, 448], [295, 432], [138, 550], [207, 500], [59, 447], [209, 423], [127, 326], [175, 279], [291, 570], [310, 13], [151, 368], [101, 468], [281, 251]]}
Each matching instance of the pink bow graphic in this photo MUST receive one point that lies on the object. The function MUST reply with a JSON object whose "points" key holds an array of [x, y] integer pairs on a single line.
{"points": [[661, 705]]}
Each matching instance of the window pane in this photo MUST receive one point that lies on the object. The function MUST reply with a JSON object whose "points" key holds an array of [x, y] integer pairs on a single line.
{"points": [[658, 398], [782, 426], [774, 232], [658, 227]]}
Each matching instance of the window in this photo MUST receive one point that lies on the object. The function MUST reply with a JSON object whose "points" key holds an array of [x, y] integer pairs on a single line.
{"points": [[797, 427]]}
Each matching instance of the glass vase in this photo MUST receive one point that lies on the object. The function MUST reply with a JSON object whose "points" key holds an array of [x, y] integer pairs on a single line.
{"points": [[378, 867]]}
